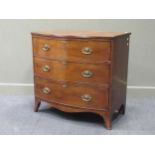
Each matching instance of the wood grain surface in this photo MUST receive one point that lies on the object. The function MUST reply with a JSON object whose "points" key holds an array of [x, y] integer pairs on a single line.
{"points": [[60, 64], [72, 50]]}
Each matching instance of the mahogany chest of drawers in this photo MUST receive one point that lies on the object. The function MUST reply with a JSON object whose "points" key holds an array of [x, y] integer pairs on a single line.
{"points": [[81, 71]]}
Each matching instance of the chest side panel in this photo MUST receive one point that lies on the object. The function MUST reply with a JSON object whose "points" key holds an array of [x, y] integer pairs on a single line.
{"points": [[120, 52]]}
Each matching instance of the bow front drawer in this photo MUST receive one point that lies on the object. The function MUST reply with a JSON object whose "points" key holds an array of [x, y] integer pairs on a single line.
{"points": [[72, 94], [92, 51], [63, 70]]}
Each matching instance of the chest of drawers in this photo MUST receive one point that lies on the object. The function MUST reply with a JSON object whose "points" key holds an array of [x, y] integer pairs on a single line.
{"points": [[81, 71]]}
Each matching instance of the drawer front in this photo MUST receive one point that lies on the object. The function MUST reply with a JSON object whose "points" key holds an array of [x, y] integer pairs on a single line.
{"points": [[77, 95], [73, 50], [98, 73]]}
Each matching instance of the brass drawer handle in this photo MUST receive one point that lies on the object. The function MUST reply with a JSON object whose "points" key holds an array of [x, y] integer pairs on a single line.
{"points": [[87, 73], [46, 68], [45, 47], [46, 90], [86, 50], [86, 97]]}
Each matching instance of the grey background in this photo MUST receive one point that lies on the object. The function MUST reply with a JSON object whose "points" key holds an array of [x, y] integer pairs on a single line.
{"points": [[16, 48], [16, 67]]}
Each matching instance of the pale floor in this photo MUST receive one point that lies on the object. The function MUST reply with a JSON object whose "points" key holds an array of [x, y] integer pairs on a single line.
{"points": [[17, 117]]}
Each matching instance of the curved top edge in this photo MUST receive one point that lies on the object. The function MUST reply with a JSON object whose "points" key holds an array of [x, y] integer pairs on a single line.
{"points": [[80, 34]]}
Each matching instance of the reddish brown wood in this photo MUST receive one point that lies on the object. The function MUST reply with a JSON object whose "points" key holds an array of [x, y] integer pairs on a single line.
{"points": [[70, 94], [107, 119], [108, 62], [67, 108], [37, 104], [119, 73], [81, 34], [62, 70], [70, 50]]}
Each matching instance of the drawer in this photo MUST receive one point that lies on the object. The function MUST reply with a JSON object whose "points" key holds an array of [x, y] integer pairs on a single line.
{"points": [[74, 50], [72, 94], [62, 70]]}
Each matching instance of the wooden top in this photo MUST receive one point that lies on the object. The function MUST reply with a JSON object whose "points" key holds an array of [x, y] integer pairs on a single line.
{"points": [[80, 34]]}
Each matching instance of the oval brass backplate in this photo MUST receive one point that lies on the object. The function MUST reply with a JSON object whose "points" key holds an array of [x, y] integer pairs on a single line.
{"points": [[45, 47], [46, 90], [86, 50], [46, 68], [87, 73], [86, 97]]}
